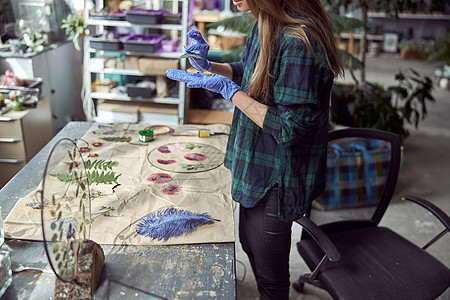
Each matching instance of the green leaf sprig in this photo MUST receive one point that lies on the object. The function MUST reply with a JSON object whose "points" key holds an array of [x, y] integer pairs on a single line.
{"points": [[187, 55]]}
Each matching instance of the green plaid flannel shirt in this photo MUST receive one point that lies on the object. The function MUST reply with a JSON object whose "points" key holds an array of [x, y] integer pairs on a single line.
{"points": [[290, 150]]}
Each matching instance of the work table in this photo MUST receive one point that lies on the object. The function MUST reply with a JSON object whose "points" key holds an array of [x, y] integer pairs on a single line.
{"points": [[200, 271]]}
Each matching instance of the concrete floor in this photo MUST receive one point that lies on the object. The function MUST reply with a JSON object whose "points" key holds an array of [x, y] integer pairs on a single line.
{"points": [[425, 172]]}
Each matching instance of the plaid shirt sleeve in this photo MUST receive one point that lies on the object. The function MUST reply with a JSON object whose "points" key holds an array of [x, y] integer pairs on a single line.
{"points": [[300, 80]]}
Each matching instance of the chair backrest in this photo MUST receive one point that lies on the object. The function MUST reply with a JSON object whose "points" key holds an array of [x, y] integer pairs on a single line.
{"points": [[362, 171]]}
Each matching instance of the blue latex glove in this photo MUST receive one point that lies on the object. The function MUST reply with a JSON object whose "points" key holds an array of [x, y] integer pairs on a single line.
{"points": [[198, 47], [215, 83]]}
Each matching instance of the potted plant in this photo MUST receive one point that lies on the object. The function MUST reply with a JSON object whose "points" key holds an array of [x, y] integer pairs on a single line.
{"points": [[389, 108], [413, 49], [441, 52], [75, 28]]}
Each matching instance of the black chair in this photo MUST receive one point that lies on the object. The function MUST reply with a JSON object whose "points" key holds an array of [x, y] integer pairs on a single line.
{"points": [[352, 257]]}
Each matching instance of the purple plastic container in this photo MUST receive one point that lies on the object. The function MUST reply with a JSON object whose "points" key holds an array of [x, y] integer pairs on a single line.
{"points": [[142, 43], [101, 43], [169, 45], [143, 16]]}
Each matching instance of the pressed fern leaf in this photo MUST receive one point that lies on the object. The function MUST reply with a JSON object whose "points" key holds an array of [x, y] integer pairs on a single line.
{"points": [[64, 177], [95, 177], [103, 177], [116, 138], [100, 164]]}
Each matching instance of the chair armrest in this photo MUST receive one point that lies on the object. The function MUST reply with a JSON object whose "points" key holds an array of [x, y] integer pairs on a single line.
{"points": [[436, 211], [321, 239]]}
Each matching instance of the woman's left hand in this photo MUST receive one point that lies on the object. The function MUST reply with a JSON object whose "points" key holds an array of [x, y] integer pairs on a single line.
{"points": [[200, 48], [215, 83]]}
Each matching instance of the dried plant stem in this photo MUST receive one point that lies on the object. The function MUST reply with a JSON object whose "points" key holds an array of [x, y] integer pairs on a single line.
{"points": [[206, 72]]}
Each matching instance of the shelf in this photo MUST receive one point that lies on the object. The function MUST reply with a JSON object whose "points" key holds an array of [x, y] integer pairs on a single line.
{"points": [[118, 71], [128, 24], [370, 37], [419, 16], [119, 97], [147, 54], [163, 60]]}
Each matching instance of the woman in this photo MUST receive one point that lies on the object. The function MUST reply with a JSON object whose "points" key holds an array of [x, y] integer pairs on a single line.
{"points": [[278, 139]]}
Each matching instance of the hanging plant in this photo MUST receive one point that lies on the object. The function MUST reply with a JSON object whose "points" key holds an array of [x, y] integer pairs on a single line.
{"points": [[75, 28]]}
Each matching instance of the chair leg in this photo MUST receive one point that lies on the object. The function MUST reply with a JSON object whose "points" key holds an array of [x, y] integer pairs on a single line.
{"points": [[300, 283]]}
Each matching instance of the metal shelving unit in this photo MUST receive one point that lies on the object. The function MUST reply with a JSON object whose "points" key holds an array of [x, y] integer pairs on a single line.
{"points": [[415, 16], [177, 30]]}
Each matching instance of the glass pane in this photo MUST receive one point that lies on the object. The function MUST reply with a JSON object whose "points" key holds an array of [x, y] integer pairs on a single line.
{"points": [[65, 206], [5, 271]]}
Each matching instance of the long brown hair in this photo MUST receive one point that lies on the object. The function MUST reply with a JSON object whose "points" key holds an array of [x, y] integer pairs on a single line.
{"points": [[272, 17]]}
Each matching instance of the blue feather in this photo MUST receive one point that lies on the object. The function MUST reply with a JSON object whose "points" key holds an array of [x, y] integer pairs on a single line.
{"points": [[171, 222]]}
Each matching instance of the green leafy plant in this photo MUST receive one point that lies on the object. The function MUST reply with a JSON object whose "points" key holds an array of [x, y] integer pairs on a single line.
{"points": [[391, 108], [419, 45], [417, 49], [242, 23], [117, 138], [440, 50], [34, 40], [75, 28]]}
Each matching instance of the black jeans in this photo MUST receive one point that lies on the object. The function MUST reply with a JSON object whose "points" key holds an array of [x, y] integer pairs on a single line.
{"points": [[267, 241]]}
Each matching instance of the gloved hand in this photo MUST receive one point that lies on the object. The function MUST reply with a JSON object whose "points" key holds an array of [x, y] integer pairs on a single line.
{"points": [[215, 83], [198, 47]]}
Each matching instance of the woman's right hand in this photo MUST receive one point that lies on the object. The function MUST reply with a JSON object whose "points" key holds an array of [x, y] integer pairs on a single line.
{"points": [[200, 48], [215, 83]]}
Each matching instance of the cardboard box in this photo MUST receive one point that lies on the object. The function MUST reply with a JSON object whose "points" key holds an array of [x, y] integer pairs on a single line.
{"points": [[158, 114], [114, 63], [132, 62], [206, 116], [223, 42], [153, 66], [118, 106], [120, 112], [159, 108]]}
